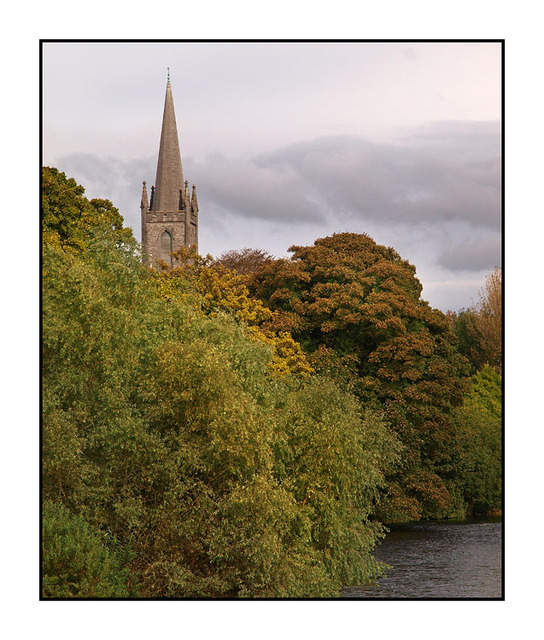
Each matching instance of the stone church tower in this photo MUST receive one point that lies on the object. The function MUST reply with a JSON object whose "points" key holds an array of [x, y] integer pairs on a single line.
{"points": [[170, 219]]}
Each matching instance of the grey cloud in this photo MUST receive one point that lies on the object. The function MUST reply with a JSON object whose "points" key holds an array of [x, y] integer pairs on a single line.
{"points": [[446, 172], [476, 255], [441, 181], [425, 178], [248, 190], [351, 178]]}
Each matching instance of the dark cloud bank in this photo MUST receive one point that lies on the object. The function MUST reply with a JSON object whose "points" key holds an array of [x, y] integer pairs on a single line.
{"points": [[442, 180], [425, 178]]}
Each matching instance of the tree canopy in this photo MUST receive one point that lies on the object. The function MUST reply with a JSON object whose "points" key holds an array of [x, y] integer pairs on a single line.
{"points": [[349, 299]]}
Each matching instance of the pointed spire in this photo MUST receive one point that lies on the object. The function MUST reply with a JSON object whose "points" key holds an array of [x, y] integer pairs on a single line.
{"points": [[169, 178], [144, 202], [194, 201]]}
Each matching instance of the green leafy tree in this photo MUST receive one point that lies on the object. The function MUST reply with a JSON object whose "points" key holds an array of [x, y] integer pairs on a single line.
{"points": [[479, 432], [166, 429], [334, 456], [69, 219]]}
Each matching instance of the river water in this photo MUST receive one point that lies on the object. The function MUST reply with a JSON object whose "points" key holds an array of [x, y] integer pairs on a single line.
{"points": [[441, 559]]}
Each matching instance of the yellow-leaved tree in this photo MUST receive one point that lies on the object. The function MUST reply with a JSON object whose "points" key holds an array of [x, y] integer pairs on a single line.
{"points": [[217, 289]]}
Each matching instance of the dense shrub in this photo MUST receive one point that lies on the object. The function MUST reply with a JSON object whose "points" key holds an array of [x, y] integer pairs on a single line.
{"points": [[78, 560]]}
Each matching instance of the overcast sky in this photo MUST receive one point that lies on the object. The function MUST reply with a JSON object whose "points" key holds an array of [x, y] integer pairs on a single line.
{"points": [[291, 142]]}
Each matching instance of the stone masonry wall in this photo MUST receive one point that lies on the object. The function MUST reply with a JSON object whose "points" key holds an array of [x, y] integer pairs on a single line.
{"points": [[156, 224]]}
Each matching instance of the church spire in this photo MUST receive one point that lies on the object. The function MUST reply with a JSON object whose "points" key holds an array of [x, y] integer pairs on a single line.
{"points": [[170, 218], [169, 178]]}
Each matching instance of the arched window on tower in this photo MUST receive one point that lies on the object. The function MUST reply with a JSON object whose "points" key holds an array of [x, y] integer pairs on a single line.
{"points": [[166, 247]]}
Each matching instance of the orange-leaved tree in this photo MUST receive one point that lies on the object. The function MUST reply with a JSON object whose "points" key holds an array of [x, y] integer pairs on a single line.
{"points": [[360, 302]]}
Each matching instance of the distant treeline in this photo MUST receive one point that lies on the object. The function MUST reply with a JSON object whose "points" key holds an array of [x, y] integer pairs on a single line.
{"points": [[242, 427]]}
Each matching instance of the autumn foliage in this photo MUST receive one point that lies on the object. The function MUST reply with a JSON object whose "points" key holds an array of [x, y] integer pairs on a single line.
{"points": [[217, 289], [242, 427], [479, 328]]}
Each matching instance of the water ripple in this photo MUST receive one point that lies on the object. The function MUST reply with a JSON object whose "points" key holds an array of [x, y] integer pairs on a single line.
{"points": [[440, 560]]}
